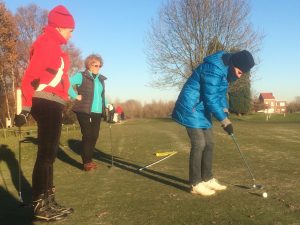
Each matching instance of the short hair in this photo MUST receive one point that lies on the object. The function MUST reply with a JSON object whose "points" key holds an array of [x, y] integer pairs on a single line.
{"points": [[91, 59]]}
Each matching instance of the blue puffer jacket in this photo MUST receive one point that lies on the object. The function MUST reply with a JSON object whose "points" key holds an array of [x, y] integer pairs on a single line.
{"points": [[203, 94]]}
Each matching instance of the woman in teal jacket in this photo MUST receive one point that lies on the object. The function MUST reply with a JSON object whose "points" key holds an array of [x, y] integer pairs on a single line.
{"points": [[89, 106], [203, 95]]}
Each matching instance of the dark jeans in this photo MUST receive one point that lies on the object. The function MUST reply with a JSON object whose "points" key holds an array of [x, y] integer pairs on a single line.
{"points": [[48, 115], [201, 155], [90, 126]]}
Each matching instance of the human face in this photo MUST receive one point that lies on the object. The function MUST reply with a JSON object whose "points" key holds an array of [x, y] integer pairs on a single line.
{"points": [[237, 72], [66, 32], [95, 67]]}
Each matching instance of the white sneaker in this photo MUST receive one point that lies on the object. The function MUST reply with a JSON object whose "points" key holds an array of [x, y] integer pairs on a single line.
{"points": [[202, 189], [214, 185]]}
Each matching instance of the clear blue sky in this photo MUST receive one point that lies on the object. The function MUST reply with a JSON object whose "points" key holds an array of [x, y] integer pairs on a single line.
{"points": [[117, 30]]}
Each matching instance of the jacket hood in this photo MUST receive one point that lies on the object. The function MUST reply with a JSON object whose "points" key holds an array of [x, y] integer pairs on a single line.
{"points": [[216, 60]]}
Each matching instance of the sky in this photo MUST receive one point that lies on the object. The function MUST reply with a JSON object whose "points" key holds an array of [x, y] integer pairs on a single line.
{"points": [[117, 30]]}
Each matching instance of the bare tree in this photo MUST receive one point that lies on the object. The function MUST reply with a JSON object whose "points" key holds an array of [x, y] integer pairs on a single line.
{"points": [[75, 58], [30, 21], [132, 109], [158, 109], [188, 30]]}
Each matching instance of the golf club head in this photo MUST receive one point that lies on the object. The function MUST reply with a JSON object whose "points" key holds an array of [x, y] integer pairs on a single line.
{"points": [[242, 186], [24, 205], [20, 197], [257, 186]]}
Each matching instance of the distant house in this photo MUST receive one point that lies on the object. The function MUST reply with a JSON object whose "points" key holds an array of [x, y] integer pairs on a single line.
{"points": [[271, 104], [280, 107]]}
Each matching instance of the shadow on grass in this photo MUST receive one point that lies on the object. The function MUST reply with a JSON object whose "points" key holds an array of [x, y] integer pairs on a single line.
{"points": [[125, 164], [61, 155], [12, 212]]}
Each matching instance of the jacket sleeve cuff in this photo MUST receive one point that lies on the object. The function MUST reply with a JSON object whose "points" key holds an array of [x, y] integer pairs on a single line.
{"points": [[26, 108]]}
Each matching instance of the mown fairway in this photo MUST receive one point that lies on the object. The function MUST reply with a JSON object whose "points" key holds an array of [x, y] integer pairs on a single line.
{"points": [[122, 195]]}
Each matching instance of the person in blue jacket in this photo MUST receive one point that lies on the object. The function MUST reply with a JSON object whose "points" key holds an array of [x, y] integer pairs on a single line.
{"points": [[89, 105], [205, 94]]}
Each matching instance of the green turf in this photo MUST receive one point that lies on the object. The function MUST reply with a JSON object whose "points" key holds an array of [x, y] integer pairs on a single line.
{"points": [[159, 195]]}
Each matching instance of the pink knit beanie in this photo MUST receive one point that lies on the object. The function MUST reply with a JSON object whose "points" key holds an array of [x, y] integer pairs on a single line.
{"points": [[59, 16]]}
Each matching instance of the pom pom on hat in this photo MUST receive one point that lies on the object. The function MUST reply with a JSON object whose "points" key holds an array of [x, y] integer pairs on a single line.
{"points": [[59, 16], [242, 60]]}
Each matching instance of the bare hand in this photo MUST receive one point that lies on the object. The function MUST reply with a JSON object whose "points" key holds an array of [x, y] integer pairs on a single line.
{"points": [[79, 97]]}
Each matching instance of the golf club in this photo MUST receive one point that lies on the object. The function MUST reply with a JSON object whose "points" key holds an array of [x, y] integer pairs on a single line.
{"points": [[256, 186], [19, 109], [169, 155], [20, 181], [111, 147]]}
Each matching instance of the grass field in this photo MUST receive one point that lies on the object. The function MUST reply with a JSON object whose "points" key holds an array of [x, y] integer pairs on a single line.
{"points": [[159, 195]]}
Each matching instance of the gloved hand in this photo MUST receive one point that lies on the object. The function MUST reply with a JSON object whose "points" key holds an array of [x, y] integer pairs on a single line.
{"points": [[21, 119], [229, 129]]}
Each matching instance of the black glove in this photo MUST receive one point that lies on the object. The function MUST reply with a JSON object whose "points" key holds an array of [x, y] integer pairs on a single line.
{"points": [[21, 119], [229, 129]]}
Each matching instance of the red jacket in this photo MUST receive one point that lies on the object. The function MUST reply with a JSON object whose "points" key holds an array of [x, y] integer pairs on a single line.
{"points": [[119, 110], [47, 68]]}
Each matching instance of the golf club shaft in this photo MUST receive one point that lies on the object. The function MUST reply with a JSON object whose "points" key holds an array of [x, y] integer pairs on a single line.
{"points": [[20, 164], [243, 157], [111, 147], [157, 161]]}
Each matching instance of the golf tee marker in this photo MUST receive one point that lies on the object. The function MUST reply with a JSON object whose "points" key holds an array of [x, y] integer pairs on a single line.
{"points": [[159, 154]]}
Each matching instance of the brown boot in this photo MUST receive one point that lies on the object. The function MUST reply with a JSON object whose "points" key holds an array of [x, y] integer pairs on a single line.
{"points": [[42, 210], [55, 206]]}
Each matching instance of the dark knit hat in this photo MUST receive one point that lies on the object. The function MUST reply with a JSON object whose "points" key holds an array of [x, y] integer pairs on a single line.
{"points": [[59, 16], [242, 60]]}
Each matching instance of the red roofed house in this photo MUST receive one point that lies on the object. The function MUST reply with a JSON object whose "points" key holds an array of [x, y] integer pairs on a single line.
{"points": [[271, 105]]}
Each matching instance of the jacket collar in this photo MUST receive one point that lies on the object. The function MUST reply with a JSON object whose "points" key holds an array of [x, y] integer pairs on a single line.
{"points": [[51, 31], [89, 74]]}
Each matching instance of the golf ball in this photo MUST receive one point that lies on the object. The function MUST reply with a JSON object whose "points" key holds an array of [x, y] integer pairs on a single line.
{"points": [[265, 195]]}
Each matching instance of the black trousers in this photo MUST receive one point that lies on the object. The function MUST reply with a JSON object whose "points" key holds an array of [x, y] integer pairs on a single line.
{"points": [[90, 127], [48, 115]]}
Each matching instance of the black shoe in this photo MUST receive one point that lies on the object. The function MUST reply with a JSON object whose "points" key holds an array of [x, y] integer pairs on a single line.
{"points": [[42, 211], [55, 206]]}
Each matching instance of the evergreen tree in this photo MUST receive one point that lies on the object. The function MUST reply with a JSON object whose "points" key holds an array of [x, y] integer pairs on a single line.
{"points": [[240, 96]]}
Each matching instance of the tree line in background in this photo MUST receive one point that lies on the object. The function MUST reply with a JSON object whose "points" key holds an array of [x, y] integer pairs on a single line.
{"points": [[294, 106], [184, 33], [133, 109]]}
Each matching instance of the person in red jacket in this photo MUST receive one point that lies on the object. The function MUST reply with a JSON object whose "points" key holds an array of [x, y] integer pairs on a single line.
{"points": [[44, 88], [120, 112]]}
